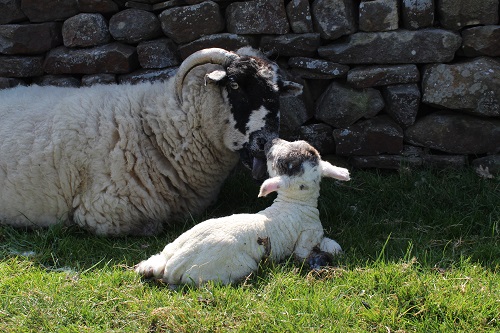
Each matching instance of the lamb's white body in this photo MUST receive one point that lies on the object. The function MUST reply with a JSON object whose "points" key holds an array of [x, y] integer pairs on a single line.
{"points": [[227, 249], [115, 159]]}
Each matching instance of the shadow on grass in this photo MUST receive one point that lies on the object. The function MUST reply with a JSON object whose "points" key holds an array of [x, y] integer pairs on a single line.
{"points": [[437, 217]]}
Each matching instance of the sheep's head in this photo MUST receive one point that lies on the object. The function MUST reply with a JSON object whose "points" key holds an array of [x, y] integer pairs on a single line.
{"points": [[251, 86], [297, 167]]}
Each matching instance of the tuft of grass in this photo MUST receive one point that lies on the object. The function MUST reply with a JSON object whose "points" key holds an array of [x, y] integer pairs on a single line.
{"points": [[421, 254]]}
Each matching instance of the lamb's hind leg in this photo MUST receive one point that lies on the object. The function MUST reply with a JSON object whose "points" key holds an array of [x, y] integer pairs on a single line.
{"points": [[152, 267]]}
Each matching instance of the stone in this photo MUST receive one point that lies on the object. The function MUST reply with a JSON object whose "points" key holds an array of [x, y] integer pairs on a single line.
{"points": [[341, 106], [147, 75], [291, 45], [9, 82], [312, 75], [455, 133], [384, 162], [21, 66], [97, 6], [379, 135], [402, 102], [57, 80], [294, 112], [299, 16], [29, 38], [413, 151], [394, 47], [93, 79], [317, 66], [160, 6], [227, 41], [172, 3], [257, 17], [457, 14], [412, 161], [44, 11], [139, 5], [10, 11], [114, 58], [334, 18], [492, 162], [478, 41], [314, 89], [158, 53], [152, 2], [84, 30], [319, 136], [444, 161], [186, 24], [374, 76], [472, 86], [134, 25], [417, 14], [378, 15]]}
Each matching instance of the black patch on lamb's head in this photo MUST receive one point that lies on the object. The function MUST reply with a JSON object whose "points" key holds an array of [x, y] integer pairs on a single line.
{"points": [[288, 158]]}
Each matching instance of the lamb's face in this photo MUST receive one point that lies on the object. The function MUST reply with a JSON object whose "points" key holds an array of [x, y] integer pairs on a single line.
{"points": [[253, 88], [296, 168], [296, 161]]}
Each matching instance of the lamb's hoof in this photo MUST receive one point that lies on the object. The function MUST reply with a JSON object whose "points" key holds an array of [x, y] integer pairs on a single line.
{"points": [[318, 259]]}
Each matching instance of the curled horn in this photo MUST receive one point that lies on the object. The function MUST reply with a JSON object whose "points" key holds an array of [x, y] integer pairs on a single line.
{"points": [[212, 55]]}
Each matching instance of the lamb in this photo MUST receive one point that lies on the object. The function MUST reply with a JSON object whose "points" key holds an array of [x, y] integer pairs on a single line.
{"points": [[128, 159], [229, 248]]}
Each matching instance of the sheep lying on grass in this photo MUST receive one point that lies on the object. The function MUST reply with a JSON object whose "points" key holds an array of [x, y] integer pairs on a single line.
{"points": [[128, 159], [229, 248]]}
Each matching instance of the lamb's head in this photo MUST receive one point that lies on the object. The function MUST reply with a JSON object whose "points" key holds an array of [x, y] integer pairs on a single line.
{"points": [[297, 168], [251, 86]]}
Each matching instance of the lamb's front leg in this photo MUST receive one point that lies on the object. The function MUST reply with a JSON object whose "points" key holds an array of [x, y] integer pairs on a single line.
{"points": [[322, 255], [152, 267], [307, 240], [330, 246]]}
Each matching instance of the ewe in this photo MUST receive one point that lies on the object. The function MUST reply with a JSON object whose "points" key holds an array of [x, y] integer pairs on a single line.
{"points": [[127, 159], [229, 248]]}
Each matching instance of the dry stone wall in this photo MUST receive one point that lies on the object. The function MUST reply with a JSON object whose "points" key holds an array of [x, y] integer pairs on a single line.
{"points": [[385, 81]]}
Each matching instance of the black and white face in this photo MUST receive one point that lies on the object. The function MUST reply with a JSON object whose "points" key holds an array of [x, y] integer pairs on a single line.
{"points": [[296, 167], [290, 158], [253, 88]]}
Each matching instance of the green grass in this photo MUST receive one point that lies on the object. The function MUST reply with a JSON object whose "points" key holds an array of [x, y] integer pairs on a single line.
{"points": [[422, 254]]}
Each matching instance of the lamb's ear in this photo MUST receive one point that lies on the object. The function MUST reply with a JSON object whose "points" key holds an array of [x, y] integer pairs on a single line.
{"points": [[329, 170], [270, 185], [215, 76]]}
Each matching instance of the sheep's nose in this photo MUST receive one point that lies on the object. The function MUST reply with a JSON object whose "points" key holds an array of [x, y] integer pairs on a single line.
{"points": [[261, 143]]}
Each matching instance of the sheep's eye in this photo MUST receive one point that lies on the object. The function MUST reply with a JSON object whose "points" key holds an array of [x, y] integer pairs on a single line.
{"points": [[234, 85]]}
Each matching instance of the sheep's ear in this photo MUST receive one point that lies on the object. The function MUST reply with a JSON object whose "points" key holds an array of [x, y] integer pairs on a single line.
{"points": [[290, 89], [270, 185], [215, 76], [329, 170]]}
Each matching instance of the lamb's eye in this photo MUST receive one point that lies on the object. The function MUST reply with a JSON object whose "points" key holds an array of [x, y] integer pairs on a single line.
{"points": [[234, 85]]}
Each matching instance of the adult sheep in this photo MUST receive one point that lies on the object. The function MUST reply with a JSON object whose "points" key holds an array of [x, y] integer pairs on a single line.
{"points": [[127, 159]]}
